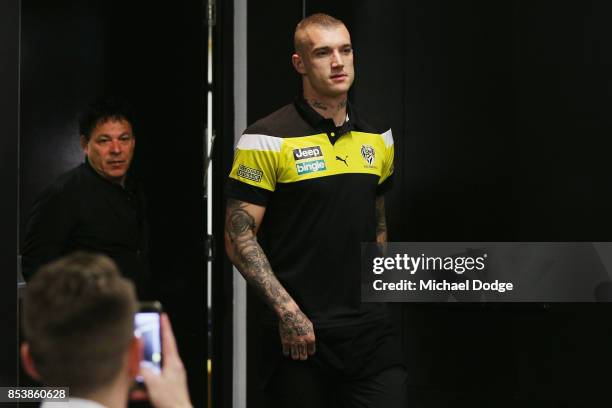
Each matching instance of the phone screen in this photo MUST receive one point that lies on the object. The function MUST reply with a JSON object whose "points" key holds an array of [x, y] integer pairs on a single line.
{"points": [[147, 328]]}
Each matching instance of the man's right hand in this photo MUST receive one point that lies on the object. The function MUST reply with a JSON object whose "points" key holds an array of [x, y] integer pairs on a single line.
{"points": [[241, 224], [296, 333], [168, 389]]}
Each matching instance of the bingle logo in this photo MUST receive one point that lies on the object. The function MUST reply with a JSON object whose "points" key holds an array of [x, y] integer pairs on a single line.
{"points": [[310, 167], [307, 153]]}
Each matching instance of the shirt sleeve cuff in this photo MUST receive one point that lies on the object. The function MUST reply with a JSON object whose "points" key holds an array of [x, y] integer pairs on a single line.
{"points": [[247, 193], [385, 186]]}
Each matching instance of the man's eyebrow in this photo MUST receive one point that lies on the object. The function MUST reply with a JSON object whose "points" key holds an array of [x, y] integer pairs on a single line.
{"points": [[328, 48], [110, 137], [324, 48]]}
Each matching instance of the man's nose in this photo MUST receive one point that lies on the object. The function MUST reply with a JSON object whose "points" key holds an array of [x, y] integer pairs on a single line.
{"points": [[115, 147], [337, 60]]}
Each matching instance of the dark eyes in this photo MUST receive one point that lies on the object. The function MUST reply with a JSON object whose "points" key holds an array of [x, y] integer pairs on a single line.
{"points": [[123, 138], [323, 53]]}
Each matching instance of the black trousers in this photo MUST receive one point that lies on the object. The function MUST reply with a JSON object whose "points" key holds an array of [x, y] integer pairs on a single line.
{"points": [[299, 384], [358, 366]]}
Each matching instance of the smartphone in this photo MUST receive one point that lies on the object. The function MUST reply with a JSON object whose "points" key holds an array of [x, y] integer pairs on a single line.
{"points": [[147, 327]]}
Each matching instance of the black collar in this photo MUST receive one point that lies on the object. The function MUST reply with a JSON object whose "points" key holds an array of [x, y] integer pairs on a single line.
{"points": [[129, 184], [321, 124]]}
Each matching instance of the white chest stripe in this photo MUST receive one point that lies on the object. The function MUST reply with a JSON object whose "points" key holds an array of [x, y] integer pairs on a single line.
{"points": [[259, 142], [388, 138]]}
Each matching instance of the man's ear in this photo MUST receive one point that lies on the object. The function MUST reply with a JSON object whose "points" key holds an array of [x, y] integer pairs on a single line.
{"points": [[298, 63], [134, 356], [84, 143], [27, 362]]}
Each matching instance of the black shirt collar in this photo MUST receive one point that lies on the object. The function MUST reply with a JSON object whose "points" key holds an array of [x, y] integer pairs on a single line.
{"points": [[321, 124], [129, 184]]}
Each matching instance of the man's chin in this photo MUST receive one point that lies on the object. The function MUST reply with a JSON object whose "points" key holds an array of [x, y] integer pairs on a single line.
{"points": [[336, 91], [115, 176]]}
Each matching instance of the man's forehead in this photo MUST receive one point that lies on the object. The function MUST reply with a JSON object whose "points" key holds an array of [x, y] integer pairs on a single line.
{"points": [[317, 36]]}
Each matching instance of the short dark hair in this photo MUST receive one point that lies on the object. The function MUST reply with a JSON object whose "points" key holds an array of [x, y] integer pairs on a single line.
{"points": [[78, 317], [319, 19], [102, 110]]}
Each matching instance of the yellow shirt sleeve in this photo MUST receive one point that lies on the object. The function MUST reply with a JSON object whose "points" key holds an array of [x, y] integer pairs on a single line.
{"points": [[387, 169], [256, 160]]}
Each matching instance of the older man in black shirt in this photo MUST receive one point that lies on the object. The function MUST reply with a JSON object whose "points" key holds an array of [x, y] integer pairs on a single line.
{"points": [[96, 206]]}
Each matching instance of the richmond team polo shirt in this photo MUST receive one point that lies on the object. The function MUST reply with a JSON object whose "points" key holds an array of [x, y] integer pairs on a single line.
{"points": [[319, 184]]}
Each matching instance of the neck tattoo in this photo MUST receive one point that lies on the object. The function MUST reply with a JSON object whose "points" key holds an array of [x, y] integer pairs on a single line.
{"points": [[323, 106], [317, 104]]}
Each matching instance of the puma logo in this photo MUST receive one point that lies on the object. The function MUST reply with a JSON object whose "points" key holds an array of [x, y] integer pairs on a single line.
{"points": [[342, 160]]}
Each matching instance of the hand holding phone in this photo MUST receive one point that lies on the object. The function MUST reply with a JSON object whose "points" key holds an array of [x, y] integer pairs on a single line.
{"points": [[147, 327], [168, 389]]}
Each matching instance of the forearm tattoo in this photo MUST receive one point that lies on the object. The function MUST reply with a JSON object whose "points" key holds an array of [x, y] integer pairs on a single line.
{"points": [[381, 223], [249, 258], [253, 264]]}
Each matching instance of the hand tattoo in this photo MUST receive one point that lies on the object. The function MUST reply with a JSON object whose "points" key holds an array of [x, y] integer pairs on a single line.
{"points": [[294, 324]]}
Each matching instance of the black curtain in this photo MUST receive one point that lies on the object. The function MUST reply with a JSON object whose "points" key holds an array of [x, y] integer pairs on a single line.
{"points": [[500, 114], [9, 147]]}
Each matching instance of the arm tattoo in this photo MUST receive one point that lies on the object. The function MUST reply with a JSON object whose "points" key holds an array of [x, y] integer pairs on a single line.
{"points": [[249, 258], [381, 223], [253, 264], [239, 221]]}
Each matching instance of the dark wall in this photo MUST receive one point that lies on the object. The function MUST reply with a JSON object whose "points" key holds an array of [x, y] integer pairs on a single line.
{"points": [[63, 66], [271, 84], [271, 79], [9, 147], [500, 112], [562, 65], [222, 282], [153, 55]]}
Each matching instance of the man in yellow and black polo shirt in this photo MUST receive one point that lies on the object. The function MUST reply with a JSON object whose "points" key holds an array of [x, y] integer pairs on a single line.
{"points": [[318, 171]]}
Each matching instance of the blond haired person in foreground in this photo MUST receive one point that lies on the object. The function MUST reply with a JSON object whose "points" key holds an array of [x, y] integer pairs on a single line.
{"points": [[79, 329]]}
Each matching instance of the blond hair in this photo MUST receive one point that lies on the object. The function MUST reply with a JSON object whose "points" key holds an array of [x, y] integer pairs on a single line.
{"points": [[318, 19], [78, 317]]}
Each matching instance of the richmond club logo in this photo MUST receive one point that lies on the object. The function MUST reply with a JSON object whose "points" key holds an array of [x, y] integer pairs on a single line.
{"points": [[368, 154]]}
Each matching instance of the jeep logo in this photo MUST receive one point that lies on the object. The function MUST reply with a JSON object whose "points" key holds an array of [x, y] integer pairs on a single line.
{"points": [[307, 153]]}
